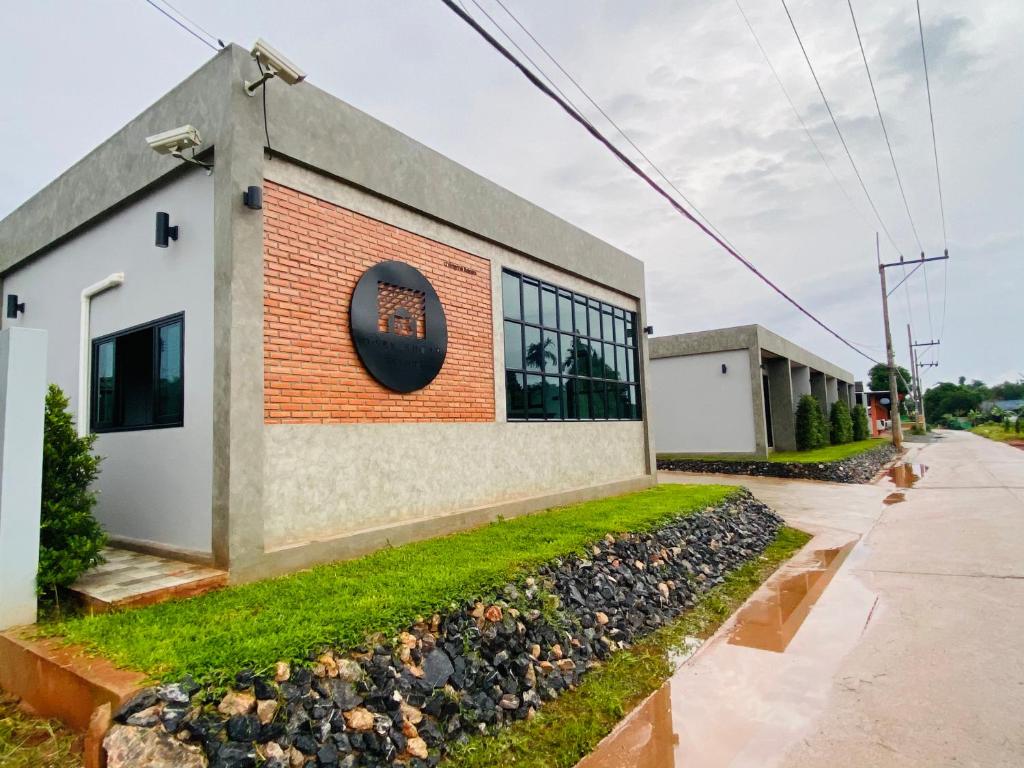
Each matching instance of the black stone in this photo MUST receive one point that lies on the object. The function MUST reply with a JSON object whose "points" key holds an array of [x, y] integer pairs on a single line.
{"points": [[144, 699]]}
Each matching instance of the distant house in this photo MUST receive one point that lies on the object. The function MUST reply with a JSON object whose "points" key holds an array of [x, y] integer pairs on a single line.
{"points": [[878, 408], [1003, 405]]}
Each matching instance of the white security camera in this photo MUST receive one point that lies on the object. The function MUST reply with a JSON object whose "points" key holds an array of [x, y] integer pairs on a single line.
{"points": [[174, 141], [274, 64]]}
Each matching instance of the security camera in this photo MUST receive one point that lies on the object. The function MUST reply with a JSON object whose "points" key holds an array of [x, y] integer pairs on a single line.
{"points": [[273, 64], [174, 141]]}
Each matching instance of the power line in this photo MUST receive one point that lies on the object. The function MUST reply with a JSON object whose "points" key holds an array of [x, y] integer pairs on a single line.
{"points": [[796, 112], [839, 133], [938, 175], [885, 132], [604, 114], [593, 131], [188, 29]]}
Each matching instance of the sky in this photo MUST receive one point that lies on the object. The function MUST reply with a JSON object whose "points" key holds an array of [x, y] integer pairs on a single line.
{"points": [[688, 83]]}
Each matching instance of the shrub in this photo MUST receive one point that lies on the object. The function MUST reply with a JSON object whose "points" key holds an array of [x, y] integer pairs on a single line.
{"points": [[811, 431], [70, 539], [861, 431], [840, 423]]}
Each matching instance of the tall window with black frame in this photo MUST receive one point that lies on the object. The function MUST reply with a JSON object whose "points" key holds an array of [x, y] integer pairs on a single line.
{"points": [[568, 357]]}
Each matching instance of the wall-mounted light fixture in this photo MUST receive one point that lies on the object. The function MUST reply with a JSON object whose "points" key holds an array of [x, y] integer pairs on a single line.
{"points": [[164, 230], [253, 198], [725, 369], [14, 306], [648, 329]]}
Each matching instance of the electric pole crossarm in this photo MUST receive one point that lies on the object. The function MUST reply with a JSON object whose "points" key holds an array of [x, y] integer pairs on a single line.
{"points": [[922, 260]]}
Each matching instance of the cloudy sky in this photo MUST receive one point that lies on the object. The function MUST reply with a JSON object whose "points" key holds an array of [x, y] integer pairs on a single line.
{"points": [[687, 81]]}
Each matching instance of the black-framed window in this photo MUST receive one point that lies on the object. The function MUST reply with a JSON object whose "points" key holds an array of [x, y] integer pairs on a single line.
{"points": [[138, 377], [568, 357]]}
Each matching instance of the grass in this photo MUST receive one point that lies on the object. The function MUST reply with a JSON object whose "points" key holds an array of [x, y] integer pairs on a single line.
{"points": [[815, 456], [27, 742], [997, 432], [571, 726], [217, 634]]}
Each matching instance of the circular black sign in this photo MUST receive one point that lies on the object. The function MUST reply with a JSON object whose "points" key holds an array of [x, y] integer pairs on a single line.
{"points": [[398, 326]]}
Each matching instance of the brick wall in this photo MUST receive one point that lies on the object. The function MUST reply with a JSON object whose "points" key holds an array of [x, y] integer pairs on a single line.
{"points": [[314, 252]]}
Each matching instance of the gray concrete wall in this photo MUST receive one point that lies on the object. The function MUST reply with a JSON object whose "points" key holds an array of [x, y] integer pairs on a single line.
{"points": [[801, 382], [155, 485], [695, 408], [831, 391], [324, 481], [819, 389]]}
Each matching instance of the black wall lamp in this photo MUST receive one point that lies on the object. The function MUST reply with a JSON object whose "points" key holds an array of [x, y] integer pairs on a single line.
{"points": [[648, 329], [164, 230], [14, 306], [724, 368], [253, 198]]}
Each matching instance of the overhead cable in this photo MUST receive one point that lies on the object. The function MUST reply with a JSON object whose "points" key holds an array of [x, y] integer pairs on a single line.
{"points": [[608, 144], [184, 26]]}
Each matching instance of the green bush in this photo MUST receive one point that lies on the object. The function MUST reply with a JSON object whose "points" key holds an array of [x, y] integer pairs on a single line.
{"points": [[861, 431], [70, 539], [811, 431], [840, 423]]}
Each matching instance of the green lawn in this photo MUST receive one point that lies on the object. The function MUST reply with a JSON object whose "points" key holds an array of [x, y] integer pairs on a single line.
{"points": [[215, 635], [818, 455], [569, 727], [26, 742], [997, 432]]}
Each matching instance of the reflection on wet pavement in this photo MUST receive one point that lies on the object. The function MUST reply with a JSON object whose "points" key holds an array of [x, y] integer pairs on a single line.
{"points": [[905, 475], [770, 621], [650, 739], [894, 498]]}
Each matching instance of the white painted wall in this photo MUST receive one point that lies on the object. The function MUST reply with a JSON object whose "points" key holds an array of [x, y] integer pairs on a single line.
{"points": [[695, 408], [155, 485]]}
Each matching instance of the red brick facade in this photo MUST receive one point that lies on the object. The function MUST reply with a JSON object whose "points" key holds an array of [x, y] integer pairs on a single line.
{"points": [[314, 252]]}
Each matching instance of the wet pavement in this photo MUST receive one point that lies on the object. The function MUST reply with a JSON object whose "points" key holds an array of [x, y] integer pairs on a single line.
{"points": [[894, 638]]}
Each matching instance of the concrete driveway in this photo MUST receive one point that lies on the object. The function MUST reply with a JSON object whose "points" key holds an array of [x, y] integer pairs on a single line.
{"points": [[896, 638]]}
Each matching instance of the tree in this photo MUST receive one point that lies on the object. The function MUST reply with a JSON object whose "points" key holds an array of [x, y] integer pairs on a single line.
{"points": [[953, 399], [811, 431], [1008, 390], [70, 539], [860, 422], [840, 423], [878, 378]]}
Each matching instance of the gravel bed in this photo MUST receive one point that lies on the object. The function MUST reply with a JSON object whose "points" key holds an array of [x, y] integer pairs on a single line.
{"points": [[856, 469], [479, 666]]}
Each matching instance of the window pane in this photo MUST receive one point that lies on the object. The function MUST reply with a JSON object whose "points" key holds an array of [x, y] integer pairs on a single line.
{"points": [[620, 329], [631, 328], [535, 351], [595, 319], [609, 362], [535, 397], [582, 398], [607, 328], [597, 402], [582, 357], [566, 353], [581, 316], [613, 400], [169, 389], [564, 312], [620, 363], [548, 303], [513, 345], [631, 408], [515, 396], [550, 352], [531, 302], [554, 396], [135, 377], [510, 296], [630, 364], [104, 416]]}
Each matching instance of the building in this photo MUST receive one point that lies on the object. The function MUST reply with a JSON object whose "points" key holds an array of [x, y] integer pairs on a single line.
{"points": [[735, 390], [349, 340], [877, 404]]}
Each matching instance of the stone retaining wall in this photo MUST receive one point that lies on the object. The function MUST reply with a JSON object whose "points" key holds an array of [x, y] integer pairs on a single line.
{"points": [[856, 469], [481, 665]]}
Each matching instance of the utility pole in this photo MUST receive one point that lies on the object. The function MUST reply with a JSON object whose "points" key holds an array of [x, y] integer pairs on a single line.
{"points": [[894, 393], [915, 384], [918, 365]]}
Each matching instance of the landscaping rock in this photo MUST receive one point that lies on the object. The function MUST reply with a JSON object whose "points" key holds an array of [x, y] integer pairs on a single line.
{"points": [[484, 664], [856, 469], [129, 746]]}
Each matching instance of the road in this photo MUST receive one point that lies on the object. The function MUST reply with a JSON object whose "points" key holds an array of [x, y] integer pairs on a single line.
{"points": [[895, 638]]}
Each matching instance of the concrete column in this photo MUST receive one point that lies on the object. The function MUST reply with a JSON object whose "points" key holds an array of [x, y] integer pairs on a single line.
{"points": [[22, 393], [801, 383], [831, 392], [819, 389], [780, 388], [757, 394]]}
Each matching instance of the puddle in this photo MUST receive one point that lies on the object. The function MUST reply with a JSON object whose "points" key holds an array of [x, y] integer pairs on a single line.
{"points": [[770, 623], [905, 475], [649, 740], [894, 498]]}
